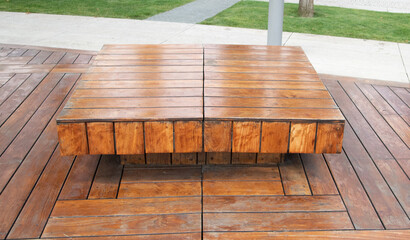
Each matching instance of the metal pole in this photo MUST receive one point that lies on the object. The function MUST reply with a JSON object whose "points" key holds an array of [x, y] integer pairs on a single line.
{"points": [[275, 22]]}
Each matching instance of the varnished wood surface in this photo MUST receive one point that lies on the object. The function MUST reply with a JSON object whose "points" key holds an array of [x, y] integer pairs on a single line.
{"points": [[361, 193], [241, 87]]}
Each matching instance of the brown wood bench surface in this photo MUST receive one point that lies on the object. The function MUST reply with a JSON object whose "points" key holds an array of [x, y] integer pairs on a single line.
{"points": [[138, 99]]}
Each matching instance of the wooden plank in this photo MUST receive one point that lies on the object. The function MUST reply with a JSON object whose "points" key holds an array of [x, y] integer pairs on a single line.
{"points": [[143, 76], [275, 137], [264, 84], [329, 137], [302, 137], [124, 207], [217, 136], [260, 76], [156, 46], [8, 107], [150, 57], [159, 189], [73, 139], [24, 68], [243, 158], [149, 69], [375, 147], [15, 123], [132, 114], [273, 93], [249, 69], [255, 57], [246, 136], [390, 211], [293, 175], [346, 234], [320, 179], [161, 174], [158, 158], [129, 137], [402, 94], [79, 180], [218, 158], [354, 196], [184, 158], [188, 136], [248, 188], [10, 86], [149, 62], [129, 93], [269, 158], [54, 58], [100, 137], [69, 58], [273, 204], [275, 221], [162, 51], [254, 63], [267, 114], [17, 52], [393, 100], [120, 225], [170, 236], [107, 178], [133, 159], [31, 220], [159, 137], [376, 121], [40, 57], [222, 173], [83, 59], [21, 131], [136, 84], [263, 102]]}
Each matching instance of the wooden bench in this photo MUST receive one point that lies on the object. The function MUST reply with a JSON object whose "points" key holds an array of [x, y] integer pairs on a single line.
{"points": [[143, 99]]}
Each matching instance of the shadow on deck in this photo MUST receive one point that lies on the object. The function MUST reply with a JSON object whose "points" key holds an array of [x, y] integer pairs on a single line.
{"points": [[45, 195]]}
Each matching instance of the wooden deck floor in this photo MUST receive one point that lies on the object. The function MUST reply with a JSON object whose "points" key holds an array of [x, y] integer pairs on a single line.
{"points": [[362, 193]]}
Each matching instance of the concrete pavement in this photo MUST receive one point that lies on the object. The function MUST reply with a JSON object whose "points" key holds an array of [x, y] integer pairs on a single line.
{"points": [[330, 55], [194, 12]]}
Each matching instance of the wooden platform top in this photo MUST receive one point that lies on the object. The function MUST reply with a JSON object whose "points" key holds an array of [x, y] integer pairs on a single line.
{"points": [[362, 193], [195, 82]]}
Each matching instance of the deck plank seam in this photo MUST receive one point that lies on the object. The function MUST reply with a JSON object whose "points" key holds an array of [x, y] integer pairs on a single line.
{"points": [[95, 173], [304, 169]]}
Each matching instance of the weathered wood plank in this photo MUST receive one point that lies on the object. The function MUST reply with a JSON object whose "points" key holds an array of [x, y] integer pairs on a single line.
{"points": [[107, 178], [293, 176], [246, 136], [302, 137], [100, 137], [159, 189], [159, 137], [129, 137]]}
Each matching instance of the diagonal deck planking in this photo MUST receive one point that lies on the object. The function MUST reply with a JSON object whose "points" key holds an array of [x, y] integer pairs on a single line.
{"points": [[46, 195]]}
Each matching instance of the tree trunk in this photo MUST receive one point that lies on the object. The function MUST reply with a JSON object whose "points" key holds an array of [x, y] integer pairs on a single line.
{"points": [[306, 8]]}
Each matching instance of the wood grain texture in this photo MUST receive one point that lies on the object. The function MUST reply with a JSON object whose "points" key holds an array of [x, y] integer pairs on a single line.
{"points": [[329, 137], [184, 158], [188, 136], [159, 189], [73, 138], [243, 158], [218, 158], [246, 136], [129, 137], [159, 137], [275, 137], [107, 178], [269, 158], [241, 173], [217, 136], [101, 137], [225, 188], [293, 176], [158, 158], [302, 137]]}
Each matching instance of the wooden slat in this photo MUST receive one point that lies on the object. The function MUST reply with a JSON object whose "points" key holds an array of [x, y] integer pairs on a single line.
{"points": [[139, 224], [184, 158], [268, 102], [293, 176], [269, 158], [119, 84], [246, 136], [129, 93], [73, 138], [273, 204], [257, 63], [149, 62], [188, 136], [161, 174], [161, 51], [302, 137], [129, 137], [354, 196], [100, 137], [124, 207], [31, 221], [159, 189], [243, 158], [142, 76], [107, 178], [12, 85], [264, 84], [275, 221], [317, 172], [79, 180], [249, 188], [329, 137], [260, 76], [217, 136], [150, 57], [218, 157], [275, 137], [255, 92], [359, 235], [159, 137], [158, 158], [40, 57], [223, 173]]}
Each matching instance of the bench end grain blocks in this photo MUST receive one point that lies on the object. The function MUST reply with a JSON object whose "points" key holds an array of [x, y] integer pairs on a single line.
{"points": [[138, 99]]}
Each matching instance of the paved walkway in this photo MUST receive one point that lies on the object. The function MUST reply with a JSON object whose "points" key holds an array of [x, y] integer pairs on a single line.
{"points": [[397, 6], [194, 12], [330, 55]]}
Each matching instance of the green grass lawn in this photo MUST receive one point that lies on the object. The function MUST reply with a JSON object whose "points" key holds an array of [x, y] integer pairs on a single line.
{"points": [[332, 21], [135, 9]]}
